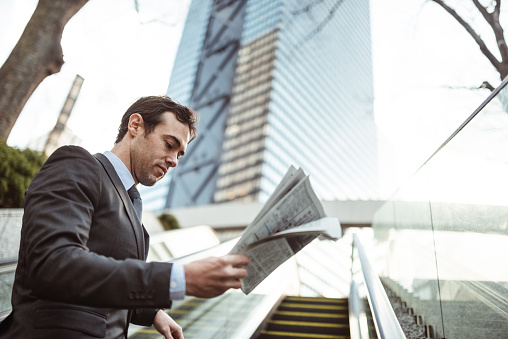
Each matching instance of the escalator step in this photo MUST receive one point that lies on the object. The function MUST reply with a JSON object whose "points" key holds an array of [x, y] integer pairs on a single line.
{"points": [[317, 300], [307, 327], [278, 335], [311, 316], [307, 323], [320, 307]]}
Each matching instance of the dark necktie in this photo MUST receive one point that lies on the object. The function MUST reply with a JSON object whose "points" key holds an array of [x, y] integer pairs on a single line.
{"points": [[136, 200]]}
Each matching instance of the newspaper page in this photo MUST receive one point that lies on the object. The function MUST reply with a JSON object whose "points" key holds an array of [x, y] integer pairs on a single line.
{"points": [[293, 203], [327, 228], [290, 179]]}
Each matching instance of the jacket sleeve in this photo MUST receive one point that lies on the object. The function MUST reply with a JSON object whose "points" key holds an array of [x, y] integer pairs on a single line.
{"points": [[59, 211], [143, 316]]}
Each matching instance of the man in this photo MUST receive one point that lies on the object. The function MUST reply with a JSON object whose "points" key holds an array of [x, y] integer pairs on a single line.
{"points": [[81, 271]]}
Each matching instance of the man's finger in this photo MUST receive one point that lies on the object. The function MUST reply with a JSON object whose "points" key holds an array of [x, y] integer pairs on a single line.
{"points": [[235, 284], [237, 259], [239, 273]]}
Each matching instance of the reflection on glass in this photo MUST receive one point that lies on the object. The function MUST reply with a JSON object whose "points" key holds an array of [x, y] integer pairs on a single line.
{"points": [[444, 235]]}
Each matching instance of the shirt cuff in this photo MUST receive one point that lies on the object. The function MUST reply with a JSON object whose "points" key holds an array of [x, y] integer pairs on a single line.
{"points": [[177, 282]]}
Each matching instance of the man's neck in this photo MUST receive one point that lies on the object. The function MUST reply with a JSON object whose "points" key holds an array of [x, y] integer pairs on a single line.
{"points": [[121, 150]]}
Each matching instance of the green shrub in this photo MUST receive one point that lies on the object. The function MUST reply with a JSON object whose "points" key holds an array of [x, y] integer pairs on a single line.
{"points": [[17, 169], [169, 222]]}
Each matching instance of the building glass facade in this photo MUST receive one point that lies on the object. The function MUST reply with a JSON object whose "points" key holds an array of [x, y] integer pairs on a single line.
{"points": [[181, 84], [302, 95]]}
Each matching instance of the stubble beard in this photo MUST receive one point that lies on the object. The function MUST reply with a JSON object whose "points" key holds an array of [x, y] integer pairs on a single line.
{"points": [[148, 179], [144, 168]]}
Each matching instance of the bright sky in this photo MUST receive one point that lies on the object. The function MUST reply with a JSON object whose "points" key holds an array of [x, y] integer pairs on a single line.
{"points": [[120, 54], [422, 61]]}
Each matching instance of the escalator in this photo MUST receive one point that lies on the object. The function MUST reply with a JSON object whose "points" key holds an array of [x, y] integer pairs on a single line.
{"points": [[306, 317], [275, 309], [218, 317], [293, 317], [268, 312], [486, 317]]}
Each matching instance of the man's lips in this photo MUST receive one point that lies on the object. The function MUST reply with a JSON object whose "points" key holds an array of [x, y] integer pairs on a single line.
{"points": [[164, 169]]}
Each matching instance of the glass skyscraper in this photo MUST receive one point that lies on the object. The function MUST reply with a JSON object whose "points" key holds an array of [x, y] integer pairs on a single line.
{"points": [[277, 83]]}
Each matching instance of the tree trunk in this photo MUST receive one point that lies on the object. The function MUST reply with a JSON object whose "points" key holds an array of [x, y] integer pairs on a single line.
{"points": [[37, 54]]}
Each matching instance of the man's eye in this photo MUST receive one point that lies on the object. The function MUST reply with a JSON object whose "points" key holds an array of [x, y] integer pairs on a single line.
{"points": [[168, 145]]}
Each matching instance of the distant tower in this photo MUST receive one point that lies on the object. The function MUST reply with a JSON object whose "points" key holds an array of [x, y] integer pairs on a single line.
{"points": [[276, 82], [55, 137]]}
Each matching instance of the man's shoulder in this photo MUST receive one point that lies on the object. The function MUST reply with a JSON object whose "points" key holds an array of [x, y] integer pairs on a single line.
{"points": [[68, 168], [72, 158], [71, 150]]}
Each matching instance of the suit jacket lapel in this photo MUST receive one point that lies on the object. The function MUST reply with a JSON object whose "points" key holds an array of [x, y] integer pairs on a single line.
{"points": [[135, 223], [147, 242]]}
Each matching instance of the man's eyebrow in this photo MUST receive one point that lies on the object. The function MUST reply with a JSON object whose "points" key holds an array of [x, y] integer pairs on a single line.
{"points": [[175, 139]]}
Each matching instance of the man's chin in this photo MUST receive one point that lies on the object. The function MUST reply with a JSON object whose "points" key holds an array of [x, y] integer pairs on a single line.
{"points": [[150, 181], [159, 178]]}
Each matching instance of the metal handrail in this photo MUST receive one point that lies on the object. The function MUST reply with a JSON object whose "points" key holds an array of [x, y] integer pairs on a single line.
{"points": [[385, 320], [8, 265]]}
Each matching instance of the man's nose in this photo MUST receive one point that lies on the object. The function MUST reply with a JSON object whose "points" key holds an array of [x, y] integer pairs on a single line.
{"points": [[172, 160]]}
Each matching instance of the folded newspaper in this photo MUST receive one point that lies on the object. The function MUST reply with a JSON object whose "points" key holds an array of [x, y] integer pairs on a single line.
{"points": [[291, 218]]}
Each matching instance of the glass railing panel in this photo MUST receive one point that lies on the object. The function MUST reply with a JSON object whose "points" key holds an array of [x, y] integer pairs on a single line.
{"points": [[461, 225], [408, 249], [468, 182]]}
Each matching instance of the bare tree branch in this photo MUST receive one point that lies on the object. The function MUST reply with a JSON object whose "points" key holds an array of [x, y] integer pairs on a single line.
{"points": [[306, 8], [493, 20], [484, 85], [325, 21], [483, 47], [37, 54], [322, 23], [487, 85]]}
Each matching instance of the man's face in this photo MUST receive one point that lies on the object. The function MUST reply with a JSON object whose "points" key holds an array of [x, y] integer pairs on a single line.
{"points": [[152, 155]]}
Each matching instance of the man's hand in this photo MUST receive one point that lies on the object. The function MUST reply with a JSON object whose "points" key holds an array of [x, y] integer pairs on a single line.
{"points": [[166, 326], [213, 276]]}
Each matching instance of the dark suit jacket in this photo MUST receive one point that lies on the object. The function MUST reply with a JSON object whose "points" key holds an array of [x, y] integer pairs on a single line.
{"points": [[81, 270]]}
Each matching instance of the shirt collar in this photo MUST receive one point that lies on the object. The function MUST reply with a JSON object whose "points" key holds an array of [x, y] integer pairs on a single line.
{"points": [[120, 168]]}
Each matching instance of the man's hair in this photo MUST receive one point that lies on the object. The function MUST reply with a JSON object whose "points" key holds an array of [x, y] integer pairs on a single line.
{"points": [[151, 109]]}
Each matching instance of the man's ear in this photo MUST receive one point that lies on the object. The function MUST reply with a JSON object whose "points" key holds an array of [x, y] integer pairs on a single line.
{"points": [[135, 125]]}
